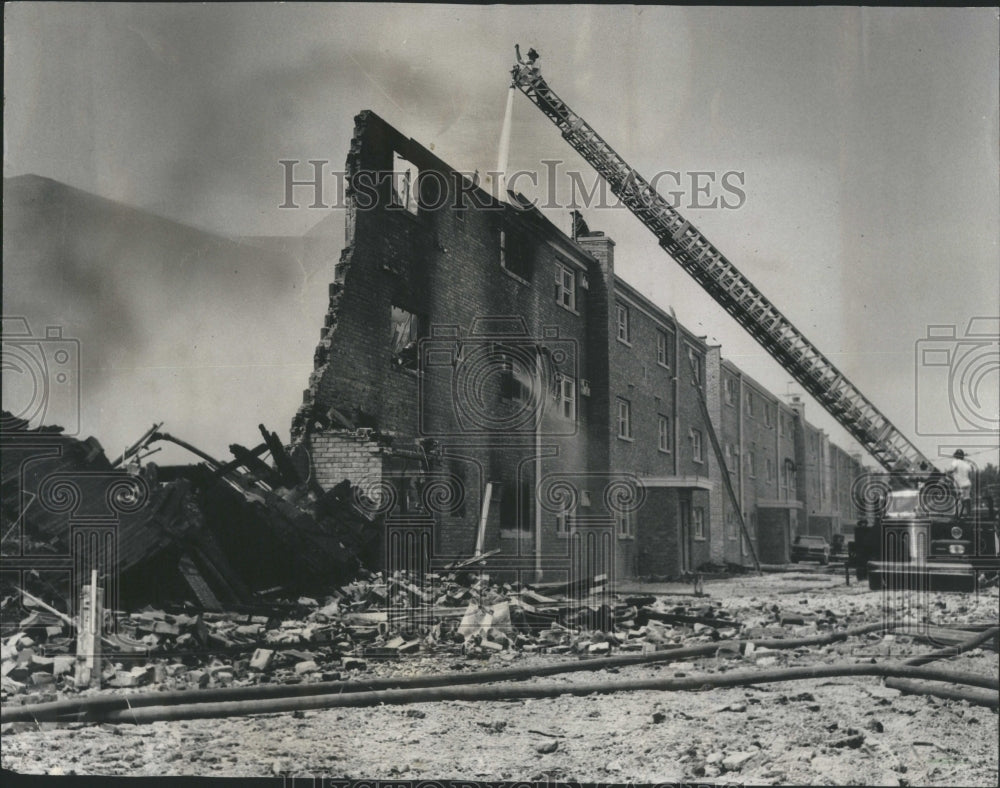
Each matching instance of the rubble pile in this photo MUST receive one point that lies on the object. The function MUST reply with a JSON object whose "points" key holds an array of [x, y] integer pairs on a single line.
{"points": [[223, 535], [369, 620]]}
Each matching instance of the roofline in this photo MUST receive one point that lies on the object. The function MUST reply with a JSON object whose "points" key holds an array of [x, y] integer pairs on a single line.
{"points": [[658, 313]]}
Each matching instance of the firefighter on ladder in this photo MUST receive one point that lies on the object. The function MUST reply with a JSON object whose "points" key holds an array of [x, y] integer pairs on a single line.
{"points": [[530, 67]]}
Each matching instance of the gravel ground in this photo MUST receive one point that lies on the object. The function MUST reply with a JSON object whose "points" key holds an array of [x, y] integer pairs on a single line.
{"points": [[821, 732]]}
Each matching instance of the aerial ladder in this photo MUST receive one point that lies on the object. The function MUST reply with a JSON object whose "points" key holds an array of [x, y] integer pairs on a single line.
{"points": [[730, 288]]}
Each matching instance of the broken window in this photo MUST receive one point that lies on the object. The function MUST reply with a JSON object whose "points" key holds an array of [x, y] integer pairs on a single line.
{"points": [[565, 286], [730, 391], [516, 507], [412, 498], [406, 332], [625, 525], [694, 363], [404, 183], [515, 380], [517, 254], [789, 478], [567, 398], [564, 523]]}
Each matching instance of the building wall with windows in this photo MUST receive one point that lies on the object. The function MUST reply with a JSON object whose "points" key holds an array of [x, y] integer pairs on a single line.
{"points": [[441, 314], [472, 346], [659, 434], [759, 443]]}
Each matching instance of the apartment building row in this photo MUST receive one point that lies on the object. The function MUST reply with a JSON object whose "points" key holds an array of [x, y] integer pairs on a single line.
{"points": [[498, 389]]}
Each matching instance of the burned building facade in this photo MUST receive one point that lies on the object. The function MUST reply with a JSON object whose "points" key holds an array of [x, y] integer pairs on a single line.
{"points": [[495, 389]]}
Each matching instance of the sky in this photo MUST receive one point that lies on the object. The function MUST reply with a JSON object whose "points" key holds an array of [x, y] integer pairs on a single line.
{"points": [[866, 140]]}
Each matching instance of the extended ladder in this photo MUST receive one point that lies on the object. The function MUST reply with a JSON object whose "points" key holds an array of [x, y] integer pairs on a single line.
{"points": [[731, 289]]}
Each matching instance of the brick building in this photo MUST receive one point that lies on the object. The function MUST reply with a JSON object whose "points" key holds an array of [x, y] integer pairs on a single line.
{"points": [[495, 387]]}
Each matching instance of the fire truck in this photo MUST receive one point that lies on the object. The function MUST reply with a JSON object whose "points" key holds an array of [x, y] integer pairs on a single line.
{"points": [[921, 538]]}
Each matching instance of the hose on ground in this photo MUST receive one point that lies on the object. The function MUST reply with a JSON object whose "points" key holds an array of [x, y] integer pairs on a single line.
{"points": [[977, 697], [74, 707], [523, 690], [966, 645]]}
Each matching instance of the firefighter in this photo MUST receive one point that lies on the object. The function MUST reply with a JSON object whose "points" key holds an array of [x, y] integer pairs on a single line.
{"points": [[961, 473], [531, 66]]}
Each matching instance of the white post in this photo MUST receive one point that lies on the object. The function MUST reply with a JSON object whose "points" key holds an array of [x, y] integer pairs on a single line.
{"points": [[88, 636]]}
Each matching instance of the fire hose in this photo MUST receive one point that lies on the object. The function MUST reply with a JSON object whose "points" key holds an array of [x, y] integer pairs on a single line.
{"points": [[189, 711], [244, 700], [975, 696], [90, 706]]}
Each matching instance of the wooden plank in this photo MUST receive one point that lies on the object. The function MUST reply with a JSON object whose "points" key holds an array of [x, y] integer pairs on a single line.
{"points": [[481, 535], [286, 468], [197, 584]]}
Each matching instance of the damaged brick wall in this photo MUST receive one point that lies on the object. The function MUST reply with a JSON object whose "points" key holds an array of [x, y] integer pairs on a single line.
{"points": [[447, 280], [344, 454]]}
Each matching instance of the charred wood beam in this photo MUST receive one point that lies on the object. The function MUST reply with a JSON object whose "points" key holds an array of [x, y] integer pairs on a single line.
{"points": [[147, 436], [286, 468], [163, 436], [249, 458]]}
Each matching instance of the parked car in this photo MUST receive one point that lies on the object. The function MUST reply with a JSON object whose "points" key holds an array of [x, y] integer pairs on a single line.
{"points": [[811, 548]]}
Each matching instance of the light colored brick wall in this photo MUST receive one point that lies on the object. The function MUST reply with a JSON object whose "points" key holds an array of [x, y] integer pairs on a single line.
{"points": [[342, 454]]}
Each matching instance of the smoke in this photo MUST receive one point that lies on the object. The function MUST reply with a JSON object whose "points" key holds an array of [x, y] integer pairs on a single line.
{"points": [[211, 335]]}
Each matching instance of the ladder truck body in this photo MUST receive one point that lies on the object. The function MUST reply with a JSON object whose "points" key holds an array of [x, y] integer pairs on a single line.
{"points": [[730, 288]]}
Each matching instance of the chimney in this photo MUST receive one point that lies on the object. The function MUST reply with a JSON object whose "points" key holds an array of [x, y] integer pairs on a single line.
{"points": [[603, 248], [795, 403]]}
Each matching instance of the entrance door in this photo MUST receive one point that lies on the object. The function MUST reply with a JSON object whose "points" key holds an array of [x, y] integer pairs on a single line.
{"points": [[685, 536]]}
